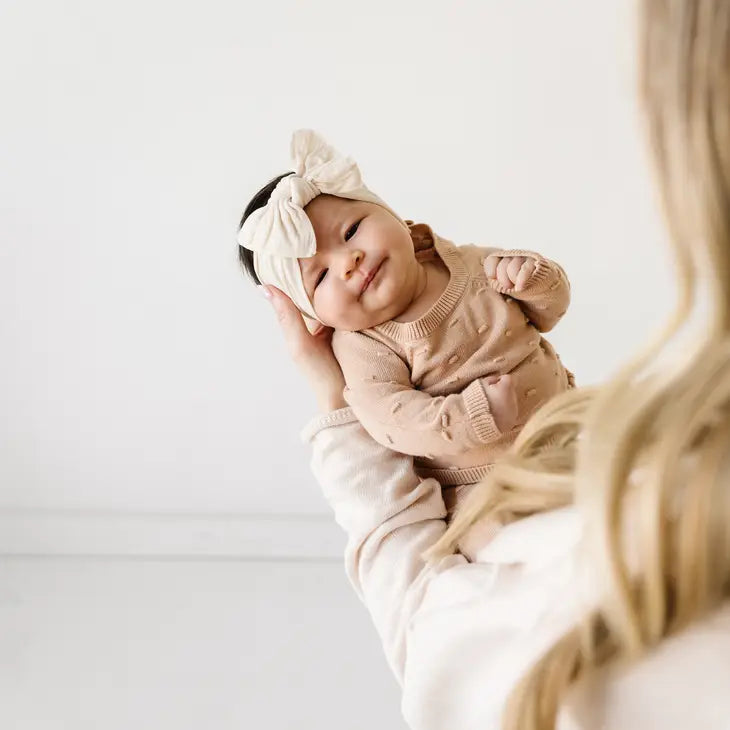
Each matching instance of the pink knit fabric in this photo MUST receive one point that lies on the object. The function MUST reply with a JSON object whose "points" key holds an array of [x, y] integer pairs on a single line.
{"points": [[417, 387]]}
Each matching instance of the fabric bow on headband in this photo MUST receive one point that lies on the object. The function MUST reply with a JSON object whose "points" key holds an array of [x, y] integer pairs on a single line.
{"points": [[280, 233]]}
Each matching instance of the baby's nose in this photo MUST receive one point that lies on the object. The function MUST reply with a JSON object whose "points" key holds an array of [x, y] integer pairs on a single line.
{"points": [[352, 261]]}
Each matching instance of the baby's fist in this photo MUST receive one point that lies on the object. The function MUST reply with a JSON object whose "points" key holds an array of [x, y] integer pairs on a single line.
{"points": [[502, 398], [510, 272]]}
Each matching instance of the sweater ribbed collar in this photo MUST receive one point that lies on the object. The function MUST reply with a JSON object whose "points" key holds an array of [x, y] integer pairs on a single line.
{"points": [[442, 307]]}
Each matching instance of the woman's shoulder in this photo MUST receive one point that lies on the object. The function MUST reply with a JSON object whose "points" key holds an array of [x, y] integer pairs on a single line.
{"points": [[520, 563], [681, 683], [482, 625], [536, 540]]}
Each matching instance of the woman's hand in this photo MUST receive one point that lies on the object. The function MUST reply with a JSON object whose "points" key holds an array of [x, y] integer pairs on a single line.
{"points": [[312, 353]]}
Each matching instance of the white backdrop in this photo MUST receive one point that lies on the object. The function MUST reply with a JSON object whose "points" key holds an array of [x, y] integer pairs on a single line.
{"points": [[166, 560], [139, 369]]}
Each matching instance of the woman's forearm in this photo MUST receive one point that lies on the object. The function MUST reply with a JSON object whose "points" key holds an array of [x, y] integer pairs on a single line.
{"points": [[390, 516]]}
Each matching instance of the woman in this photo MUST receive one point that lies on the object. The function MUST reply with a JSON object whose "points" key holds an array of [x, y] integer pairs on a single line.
{"points": [[608, 604]]}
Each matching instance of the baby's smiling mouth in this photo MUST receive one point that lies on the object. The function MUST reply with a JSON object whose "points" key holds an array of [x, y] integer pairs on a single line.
{"points": [[373, 273]]}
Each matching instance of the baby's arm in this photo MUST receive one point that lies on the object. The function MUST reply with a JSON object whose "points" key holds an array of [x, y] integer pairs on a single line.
{"points": [[410, 421], [538, 284]]}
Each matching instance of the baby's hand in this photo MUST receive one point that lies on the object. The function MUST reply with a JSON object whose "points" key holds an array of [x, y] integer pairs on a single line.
{"points": [[510, 272], [502, 402]]}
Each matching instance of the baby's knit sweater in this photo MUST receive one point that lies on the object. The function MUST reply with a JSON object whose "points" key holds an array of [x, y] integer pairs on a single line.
{"points": [[417, 387]]}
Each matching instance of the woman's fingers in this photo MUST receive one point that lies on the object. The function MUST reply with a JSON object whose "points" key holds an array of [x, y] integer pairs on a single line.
{"points": [[292, 324], [312, 352]]}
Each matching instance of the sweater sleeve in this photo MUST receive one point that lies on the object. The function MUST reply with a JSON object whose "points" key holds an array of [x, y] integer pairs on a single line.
{"points": [[405, 419], [390, 517], [546, 297]]}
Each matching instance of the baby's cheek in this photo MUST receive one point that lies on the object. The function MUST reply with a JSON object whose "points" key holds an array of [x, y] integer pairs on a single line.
{"points": [[334, 312], [322, 302]]}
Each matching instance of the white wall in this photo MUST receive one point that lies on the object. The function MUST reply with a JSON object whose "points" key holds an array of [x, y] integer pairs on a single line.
{"points": [[149, 408], [139, 369]]}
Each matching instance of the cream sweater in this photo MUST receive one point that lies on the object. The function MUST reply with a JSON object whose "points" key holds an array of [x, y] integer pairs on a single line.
{"points": [[417, 387], [458, 635]]}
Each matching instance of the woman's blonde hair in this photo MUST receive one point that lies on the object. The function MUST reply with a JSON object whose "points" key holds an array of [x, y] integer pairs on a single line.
{"points": [[652, 444]]}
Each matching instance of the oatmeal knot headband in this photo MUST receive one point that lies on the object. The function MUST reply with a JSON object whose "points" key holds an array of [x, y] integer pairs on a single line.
{"points": [[280, 233]]}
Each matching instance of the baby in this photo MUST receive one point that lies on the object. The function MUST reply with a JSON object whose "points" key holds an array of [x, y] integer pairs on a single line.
{"points": [[440, 345]]}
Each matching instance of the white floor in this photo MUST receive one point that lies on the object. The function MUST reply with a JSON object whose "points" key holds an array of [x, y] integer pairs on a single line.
{"points": [[177, 644]]}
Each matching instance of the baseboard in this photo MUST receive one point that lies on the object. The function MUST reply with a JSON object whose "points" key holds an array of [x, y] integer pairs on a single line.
{"points": [[65, 532]]}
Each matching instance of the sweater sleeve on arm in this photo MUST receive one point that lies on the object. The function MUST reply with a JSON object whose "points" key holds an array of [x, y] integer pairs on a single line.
{"points": [[390, 517], [546, 297], [405, 419]]}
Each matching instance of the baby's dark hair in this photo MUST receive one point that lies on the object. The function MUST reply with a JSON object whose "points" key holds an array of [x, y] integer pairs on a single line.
{"points": [[258, 201]]}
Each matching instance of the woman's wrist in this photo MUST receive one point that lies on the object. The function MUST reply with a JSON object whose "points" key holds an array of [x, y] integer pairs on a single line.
{"points": [[328, 383], [331, 401]]}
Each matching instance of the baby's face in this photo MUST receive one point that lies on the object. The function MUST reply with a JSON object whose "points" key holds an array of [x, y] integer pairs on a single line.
{"points": [[365, 271]]}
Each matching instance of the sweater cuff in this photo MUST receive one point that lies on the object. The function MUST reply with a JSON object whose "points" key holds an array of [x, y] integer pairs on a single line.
{"points": [[480, 415], [340, 417]]}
